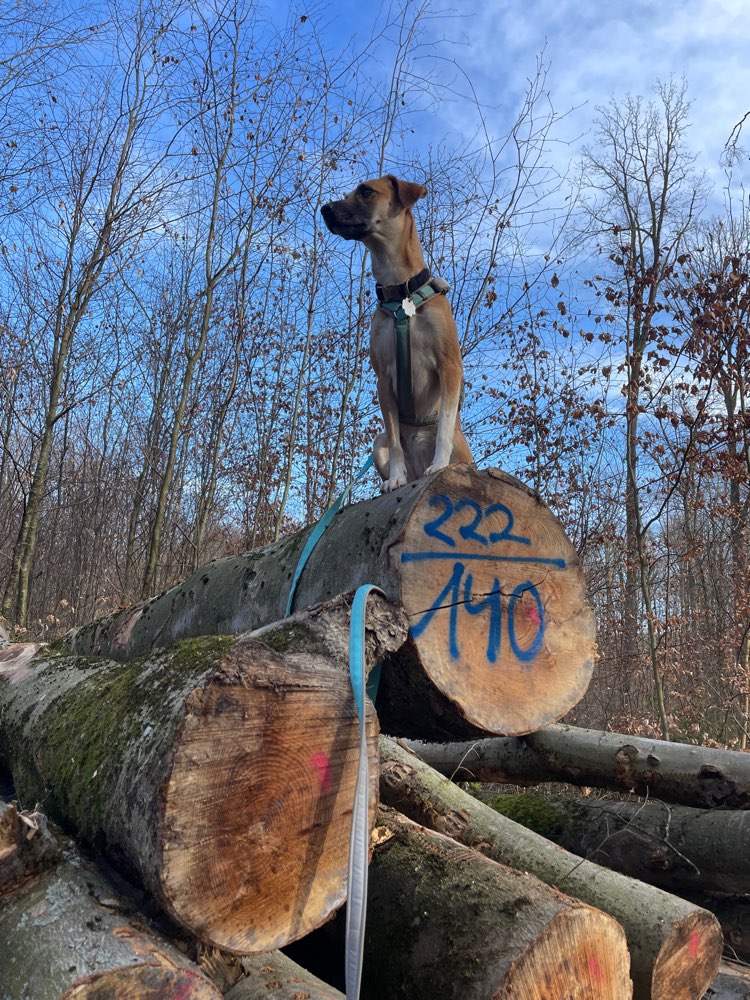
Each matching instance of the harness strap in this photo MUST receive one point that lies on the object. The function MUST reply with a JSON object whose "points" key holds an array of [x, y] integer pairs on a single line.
{"points": [[400, 313]]}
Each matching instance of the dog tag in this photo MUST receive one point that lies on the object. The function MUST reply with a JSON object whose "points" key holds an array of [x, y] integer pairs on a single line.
{"points": [[409, 308]]}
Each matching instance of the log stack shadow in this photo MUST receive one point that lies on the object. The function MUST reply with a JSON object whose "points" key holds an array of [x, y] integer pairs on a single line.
{"points": [[208, 746]]}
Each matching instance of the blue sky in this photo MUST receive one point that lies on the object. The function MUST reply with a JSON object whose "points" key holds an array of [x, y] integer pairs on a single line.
{"points": [[594, 51]]}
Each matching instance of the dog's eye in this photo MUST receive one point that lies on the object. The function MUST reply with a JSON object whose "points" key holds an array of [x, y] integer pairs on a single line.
{"points": [[366, 191]]}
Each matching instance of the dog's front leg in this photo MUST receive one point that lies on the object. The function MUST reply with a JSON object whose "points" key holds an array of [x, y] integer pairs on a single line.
{"points": [[451, 377], [396, 462]]}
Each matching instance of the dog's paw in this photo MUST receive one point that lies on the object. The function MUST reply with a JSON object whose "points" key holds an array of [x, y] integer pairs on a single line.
{"points": [[435, 467], [394, 484]]}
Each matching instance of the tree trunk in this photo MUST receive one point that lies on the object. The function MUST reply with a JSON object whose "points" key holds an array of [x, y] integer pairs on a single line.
{"points": [[703, 777], [675, 947], [219, 773], [675, 847], [502, 636], [65, 937], [276, 977]]}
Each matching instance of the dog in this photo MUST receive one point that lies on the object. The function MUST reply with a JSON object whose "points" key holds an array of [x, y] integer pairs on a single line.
{"points": [[414, 347]]}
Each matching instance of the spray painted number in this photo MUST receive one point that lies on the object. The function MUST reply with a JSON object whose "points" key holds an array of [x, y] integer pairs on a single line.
{"points": [[453, 519], [457, 595]]}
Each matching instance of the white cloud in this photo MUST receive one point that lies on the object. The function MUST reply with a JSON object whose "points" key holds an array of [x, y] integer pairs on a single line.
{"points": [[597, 51]]}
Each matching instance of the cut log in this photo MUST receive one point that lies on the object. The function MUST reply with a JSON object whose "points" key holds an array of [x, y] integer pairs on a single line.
{"points": [[64, 937], [703, 777], [26, 845], [276, 977], [219, 773], [502, 636], [675, 946], [675, 847], [444, 921]]}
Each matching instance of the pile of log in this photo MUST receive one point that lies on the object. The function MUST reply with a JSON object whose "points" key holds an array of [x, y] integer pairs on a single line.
{"points": [[207, 746]]}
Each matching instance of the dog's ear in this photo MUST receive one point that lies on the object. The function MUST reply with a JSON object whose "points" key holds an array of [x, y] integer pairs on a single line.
{"points": [[406, 192]]}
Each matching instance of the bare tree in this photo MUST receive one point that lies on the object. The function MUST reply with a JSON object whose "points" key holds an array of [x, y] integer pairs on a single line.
{"points": [[646, 197]]}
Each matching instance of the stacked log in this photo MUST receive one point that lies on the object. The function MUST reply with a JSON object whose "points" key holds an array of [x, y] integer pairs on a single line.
{"points": [[676, 847], [216, 765], [447, 921], [675, 946], [66, 936], [502, 637], [703, 777], [219, 772]]}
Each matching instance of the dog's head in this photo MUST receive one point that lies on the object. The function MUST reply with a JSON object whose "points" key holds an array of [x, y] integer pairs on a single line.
{"points": [[373, 209]]}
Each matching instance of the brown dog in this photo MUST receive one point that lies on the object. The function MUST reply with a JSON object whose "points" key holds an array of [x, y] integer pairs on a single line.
{"points": [[414, 346]]}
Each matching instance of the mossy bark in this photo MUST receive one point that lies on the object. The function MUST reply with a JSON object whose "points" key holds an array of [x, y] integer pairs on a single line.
{"points": [[502, 635], [217, 772], [703, 777], [64, 936], [675, 847], [675, 947]]}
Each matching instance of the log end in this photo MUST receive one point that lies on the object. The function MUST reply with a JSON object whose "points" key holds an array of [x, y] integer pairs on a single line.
{"points": [[496, 599], [258, 806], [149, 981], [689, 959], [582, 946]]}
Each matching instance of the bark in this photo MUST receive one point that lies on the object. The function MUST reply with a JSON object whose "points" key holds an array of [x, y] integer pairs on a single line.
{"points": [[219, 773], [26, 845], [675, 947], [703, 777], [276, 977], [732, 983], [675, 847], [502, 636], [65, 937]]}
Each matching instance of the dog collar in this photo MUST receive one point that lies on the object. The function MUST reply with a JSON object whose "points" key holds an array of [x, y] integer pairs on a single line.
{"points": [[397, 293]]}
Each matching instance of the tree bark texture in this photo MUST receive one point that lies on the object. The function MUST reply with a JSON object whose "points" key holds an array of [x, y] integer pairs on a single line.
{"points": [[276, 977], [703, 777], [446, 921], [219, 773], [502, 638], [675, 847], [675, 946], [64, 937]]}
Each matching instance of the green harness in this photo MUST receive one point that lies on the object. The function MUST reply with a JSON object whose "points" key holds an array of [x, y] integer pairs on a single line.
{"points": [[400, 312]]}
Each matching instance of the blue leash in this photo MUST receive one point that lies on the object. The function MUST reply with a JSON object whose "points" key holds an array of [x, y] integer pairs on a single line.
{"points": [[359, 837], [317, 533]]}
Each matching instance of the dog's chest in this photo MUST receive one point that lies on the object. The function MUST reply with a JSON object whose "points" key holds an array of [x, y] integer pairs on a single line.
{"points": [[425, 382]]}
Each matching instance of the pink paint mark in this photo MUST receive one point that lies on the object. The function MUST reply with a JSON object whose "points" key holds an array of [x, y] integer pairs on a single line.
{"points": [[533, 613], [595, 969], [693, 946], [322, 765]]}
